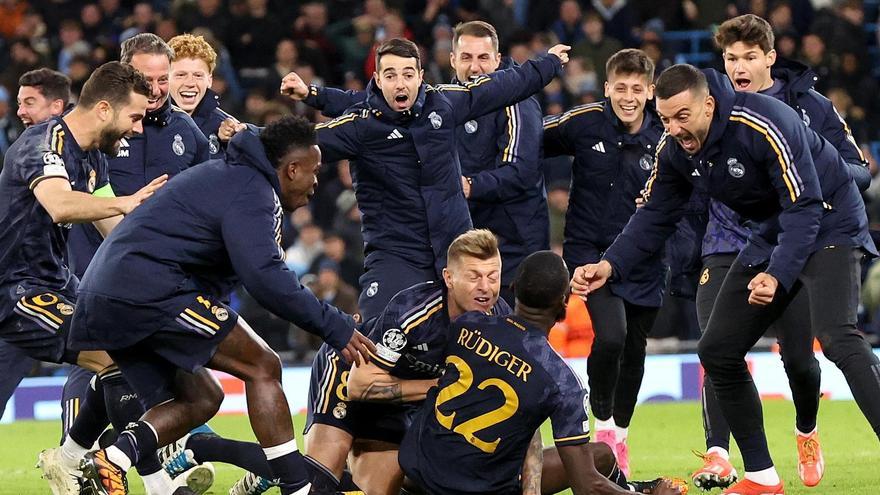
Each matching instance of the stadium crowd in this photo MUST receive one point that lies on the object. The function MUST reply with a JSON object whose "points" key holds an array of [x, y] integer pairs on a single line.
{"points": [[333, 43], [430, 161]]}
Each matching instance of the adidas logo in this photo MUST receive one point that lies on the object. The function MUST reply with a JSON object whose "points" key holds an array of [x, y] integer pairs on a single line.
{"points": [[395, 134], [695, 173], [600, 147]]}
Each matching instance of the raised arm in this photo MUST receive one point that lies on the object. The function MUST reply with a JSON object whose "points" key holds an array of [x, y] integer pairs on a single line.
{"points": [[503, 88], [331, 102]]}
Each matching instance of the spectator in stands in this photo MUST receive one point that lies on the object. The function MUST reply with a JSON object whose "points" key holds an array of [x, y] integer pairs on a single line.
{"points": [[142, 20], [114, 18], [327, 286], [311, 27], [814, 55], [842, 29], [208, 14], [351, 263], [252, 42], [72, 44], [307, 247], [12, 13], [568, 27], [23, 58], [620, 20], [596, 46]]}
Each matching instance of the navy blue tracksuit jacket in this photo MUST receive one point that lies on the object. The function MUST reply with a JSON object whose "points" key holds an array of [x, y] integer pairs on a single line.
{"points": [[760, 160], [405, 165], [212, 227], [500, 153], [793, 84], [208, 116], [610, 169], [171, 142]]}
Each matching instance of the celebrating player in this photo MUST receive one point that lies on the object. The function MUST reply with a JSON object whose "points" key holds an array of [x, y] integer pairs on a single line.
{"points": [[410, 192], [502, 381], [166, 272], [613, 142], [753, 153], [752, 65]]}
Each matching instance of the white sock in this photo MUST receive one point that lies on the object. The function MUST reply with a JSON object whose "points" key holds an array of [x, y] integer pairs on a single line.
{"points": [[721, 452], [605, 424], [799, 432], [72, 452], [621, 433], [280, 450], [118, 457], [158, 483], [768, 477]]}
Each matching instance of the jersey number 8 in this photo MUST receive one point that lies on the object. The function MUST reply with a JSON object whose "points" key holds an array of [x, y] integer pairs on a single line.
{"points": [[470, 427]]}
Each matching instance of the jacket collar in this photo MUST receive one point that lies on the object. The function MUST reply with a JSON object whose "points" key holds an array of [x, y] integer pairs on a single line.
{"points": [[376, 102], [160, 116]]}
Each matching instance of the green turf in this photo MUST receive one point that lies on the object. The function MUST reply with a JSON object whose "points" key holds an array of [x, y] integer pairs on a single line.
{"points": [[661, 440]]}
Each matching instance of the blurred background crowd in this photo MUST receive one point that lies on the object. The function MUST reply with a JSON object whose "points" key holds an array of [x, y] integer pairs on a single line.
{"points": [[333, 42]]}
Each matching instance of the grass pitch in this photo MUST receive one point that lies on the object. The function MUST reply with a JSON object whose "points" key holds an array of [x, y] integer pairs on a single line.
{"points": [[661, 439]]}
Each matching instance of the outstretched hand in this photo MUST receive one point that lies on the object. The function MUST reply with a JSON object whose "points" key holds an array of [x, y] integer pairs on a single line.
{"points": [[358, 349], [141, 195], [588, 278]]}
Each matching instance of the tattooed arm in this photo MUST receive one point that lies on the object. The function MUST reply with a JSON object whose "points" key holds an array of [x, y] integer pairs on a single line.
{"points": [[531, 472], [370, 383]]}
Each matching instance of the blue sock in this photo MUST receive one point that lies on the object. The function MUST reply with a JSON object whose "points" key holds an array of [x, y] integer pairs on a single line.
{"points": [[92, 417], [138, 442], [246, 455], [288, 467]]}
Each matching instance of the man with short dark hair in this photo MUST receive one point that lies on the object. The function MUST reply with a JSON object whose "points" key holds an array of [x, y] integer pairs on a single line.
{"points": [[42, 94], [401, 138], [613, 143], [500, 157], [753, 153], [56, 175], [752, 65], [171, 142], [215, 226]]}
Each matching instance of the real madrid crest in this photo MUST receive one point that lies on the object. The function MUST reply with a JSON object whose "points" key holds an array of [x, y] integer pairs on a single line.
{"points": [[471, 126], [93, 179], [436, 120], [65, 309], [646, 162], [177, 146], [340, 410], [704, 277], [806, 117], [214, 144], [735, 168], [372, 289]]}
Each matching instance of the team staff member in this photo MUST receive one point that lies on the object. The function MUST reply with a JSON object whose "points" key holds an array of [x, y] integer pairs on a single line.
{"points": [[753, 153], [191, 78], [751, 64], [405, 161], [500, 158], [613, 144]]}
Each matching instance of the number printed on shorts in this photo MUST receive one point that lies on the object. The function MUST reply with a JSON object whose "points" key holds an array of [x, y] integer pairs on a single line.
{"points": [[469, 428]]}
